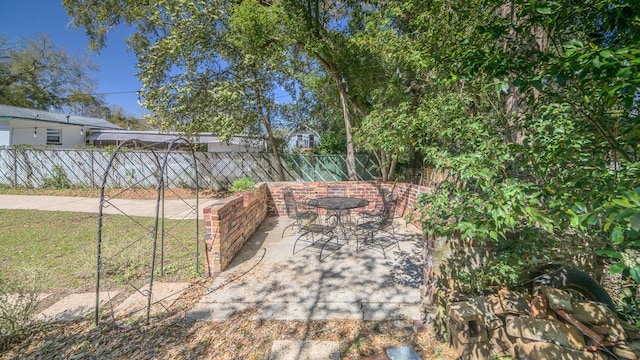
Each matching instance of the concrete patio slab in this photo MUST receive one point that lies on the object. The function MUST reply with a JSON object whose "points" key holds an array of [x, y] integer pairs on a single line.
{"points": [[346, 283], [163, 296], [304, 350], [74, 306]]}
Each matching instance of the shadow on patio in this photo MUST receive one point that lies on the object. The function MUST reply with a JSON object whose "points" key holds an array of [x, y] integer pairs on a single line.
{"points": [[346, 284]]}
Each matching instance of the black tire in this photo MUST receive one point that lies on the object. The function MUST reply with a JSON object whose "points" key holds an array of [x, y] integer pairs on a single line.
{"points": [[573, 279]]}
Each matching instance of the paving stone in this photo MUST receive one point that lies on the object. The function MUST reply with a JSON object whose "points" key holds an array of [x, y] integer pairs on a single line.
{"points": [[163, 296], [75, 306], [304, 350]]}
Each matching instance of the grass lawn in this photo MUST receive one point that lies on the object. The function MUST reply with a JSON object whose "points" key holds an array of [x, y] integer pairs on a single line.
{"points": [[58, 249]]}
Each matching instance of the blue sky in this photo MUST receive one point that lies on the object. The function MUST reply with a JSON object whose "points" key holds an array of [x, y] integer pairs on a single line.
{"points": [[27, 18]]}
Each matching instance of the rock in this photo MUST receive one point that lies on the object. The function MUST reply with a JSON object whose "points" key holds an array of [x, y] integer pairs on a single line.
{"points": [[595, 313], [512, 302], [626, 352], [557, 299], [545, 351], [402, 353], [467, 322], [591, 312], [468, 330], [545, 330], [493, 302], [501, 344], [538, 306]]}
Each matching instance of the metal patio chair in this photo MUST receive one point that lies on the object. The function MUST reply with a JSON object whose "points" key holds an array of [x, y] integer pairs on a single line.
{"points": [[389, 199], [297, 210], [318, 232], [367, 227]]}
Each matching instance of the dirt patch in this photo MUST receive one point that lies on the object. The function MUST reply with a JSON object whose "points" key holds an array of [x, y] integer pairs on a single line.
{"points": [[171, 336]]}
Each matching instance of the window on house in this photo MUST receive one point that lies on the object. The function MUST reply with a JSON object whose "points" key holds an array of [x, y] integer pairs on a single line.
{"points": [[312, 142], [300, 141], [53, 137]]}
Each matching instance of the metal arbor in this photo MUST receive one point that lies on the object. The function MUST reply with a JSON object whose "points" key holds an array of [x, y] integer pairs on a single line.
{"points": [[123, 262]]}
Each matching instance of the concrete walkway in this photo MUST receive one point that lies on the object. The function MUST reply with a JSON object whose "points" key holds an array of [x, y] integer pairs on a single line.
{"points": [[173, 209]]}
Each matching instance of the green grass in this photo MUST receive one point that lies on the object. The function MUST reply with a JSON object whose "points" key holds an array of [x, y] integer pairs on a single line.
{"points": [[59, 248]]}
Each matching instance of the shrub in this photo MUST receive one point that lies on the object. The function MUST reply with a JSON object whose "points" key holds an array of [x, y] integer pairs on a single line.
{"points": [[242, 184], [58, 179], [18, 303]]}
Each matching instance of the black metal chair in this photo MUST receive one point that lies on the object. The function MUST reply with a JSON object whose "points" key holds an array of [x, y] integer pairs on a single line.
{"points": [[388, 199], [298, 211], [369, 226], [318, 231]]}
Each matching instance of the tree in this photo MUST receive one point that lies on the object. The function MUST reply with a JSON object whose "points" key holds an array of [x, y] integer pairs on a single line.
{"points": [[36, 74], [117, 115], [181, 46]]}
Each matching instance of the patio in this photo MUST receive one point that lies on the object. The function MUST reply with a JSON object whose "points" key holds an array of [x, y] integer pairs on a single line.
{"points": [[265, 276]]}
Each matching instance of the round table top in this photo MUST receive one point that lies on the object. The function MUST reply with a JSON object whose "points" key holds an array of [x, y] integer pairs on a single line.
{"points": [[338, 203]]}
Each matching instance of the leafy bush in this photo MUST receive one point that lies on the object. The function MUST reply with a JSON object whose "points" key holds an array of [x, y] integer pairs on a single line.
{"points": [[18, 303], [58, 179], [242, 184]]}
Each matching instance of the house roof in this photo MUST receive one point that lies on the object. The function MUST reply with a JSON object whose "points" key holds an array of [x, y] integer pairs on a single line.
{"points": [[46, 116], [302, 128], [157, 137]]}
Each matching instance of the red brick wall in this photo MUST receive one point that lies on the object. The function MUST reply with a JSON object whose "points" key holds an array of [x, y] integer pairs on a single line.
{"points": [[369, 190], [229, 226]]}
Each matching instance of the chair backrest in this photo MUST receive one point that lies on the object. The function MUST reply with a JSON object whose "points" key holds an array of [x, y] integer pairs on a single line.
{"points": [[389, 210], [289, 202]]}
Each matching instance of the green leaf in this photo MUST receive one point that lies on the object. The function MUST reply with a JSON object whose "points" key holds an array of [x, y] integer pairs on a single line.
{"points": [[635, 222], [544, 10], [635, 273], [617, 268], [617, 235], [606, 53], [609, 253]]}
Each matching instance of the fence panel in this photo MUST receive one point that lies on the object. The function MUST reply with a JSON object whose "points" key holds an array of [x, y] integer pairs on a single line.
{"points": [[137, 168], [330, 167]]}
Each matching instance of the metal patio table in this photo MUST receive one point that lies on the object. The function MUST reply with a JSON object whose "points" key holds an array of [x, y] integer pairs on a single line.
{"points": [[338, 206]]}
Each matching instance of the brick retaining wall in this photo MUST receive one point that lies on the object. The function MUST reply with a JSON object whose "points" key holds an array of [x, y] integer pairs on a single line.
{"points": [[228, 226], [369, 190]]}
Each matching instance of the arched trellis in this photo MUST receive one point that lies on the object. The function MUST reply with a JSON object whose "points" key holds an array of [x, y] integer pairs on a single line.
{"points": [[157, 232]]}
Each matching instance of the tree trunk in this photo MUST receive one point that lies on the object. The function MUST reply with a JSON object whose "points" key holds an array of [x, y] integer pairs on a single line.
{"points": [[274, 149], [351, 155]]}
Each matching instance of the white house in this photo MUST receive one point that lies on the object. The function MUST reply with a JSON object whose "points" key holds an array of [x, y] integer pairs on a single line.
{"points": [[158, 139], [302, 138], [23, 126]]}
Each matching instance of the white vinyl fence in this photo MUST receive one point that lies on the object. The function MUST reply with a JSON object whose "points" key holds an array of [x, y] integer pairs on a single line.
{"points": [[28, 167]]}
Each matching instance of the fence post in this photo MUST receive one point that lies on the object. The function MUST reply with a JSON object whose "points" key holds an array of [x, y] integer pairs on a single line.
{"points": [[15, 167], [93, 170]]}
